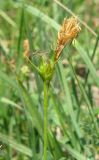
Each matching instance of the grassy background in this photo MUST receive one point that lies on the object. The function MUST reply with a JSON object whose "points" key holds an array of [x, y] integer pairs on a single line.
{"points": [[73, 109]]}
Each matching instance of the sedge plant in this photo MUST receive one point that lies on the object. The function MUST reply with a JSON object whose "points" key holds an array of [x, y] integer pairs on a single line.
{"points": [[68, 31]]}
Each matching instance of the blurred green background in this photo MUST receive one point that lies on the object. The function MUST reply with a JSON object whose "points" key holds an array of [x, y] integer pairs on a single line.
{"points": [[73, 107]]}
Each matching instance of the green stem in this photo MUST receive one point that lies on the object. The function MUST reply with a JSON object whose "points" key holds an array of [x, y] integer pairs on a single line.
{"points": [[45, 118]]}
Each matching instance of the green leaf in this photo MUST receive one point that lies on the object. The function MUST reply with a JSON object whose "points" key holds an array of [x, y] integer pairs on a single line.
{"points": [[7, 18], [15, 145], [10, 102], [87, 61], [75, 154], [31, 108], [7, 79], [69, 105]]}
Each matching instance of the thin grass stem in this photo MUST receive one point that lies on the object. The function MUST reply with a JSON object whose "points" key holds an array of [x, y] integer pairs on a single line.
{"points": [[45, 119]]}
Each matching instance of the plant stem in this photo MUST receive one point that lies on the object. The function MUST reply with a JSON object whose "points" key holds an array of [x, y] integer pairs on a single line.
{"points": [[45, 118]]}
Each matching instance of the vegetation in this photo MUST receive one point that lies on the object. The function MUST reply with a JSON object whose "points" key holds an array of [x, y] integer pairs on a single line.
{"points": [[49, 108]]}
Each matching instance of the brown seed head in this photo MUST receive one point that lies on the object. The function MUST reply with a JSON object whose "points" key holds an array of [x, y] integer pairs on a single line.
{"points": [[26, 48], [68, 31]]}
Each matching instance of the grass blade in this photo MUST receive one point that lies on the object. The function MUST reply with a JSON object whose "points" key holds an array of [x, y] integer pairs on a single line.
{"points": [[17, 146], [31, 108], [87, 61]]}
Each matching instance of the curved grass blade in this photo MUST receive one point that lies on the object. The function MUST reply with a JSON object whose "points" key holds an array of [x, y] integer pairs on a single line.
{"points": [[87, 61], [69, 101], [75, 154], [10, 102], [31, 108], [15, 145], [7, 18]]}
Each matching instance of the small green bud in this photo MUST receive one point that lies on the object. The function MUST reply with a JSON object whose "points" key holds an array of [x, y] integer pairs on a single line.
{"points": [[25, 70], [46, 70]]}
